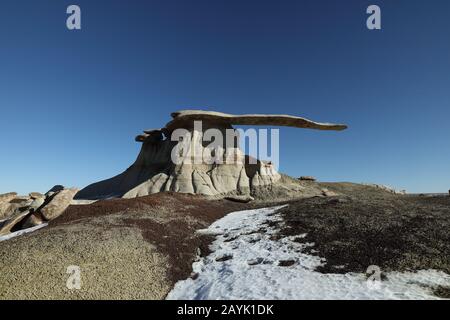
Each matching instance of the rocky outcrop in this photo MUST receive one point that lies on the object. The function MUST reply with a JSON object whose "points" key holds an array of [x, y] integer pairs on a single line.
{"points": [[57, 204], [155, 171], [21, 212]]}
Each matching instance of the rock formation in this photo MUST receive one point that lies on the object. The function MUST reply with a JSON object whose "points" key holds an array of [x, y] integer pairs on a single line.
{"points": [[154, 169], [21, 212]]}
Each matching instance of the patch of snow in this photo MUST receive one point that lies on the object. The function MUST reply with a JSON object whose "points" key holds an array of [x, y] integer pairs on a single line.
{"points": [[254, 272], [21, 232]]}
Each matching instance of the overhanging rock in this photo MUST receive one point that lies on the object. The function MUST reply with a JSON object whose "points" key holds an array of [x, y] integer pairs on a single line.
{"points": [[154, 170]]}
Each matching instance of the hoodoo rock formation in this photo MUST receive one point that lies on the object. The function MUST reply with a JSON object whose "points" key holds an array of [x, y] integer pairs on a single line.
{"points": [[155, 171]]}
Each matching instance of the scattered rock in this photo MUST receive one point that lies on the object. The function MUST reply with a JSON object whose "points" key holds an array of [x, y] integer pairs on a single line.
{"points": [[194, 275], [6, 208], [337, 200], [37, 203], [307, 178], [58, 204], [32, 220], [21, 199], [7, 197], [241, 198], [253, 262], [286, 263], [54, 190], [328, 193], [13, 220], [224, 257], [36, 195]]}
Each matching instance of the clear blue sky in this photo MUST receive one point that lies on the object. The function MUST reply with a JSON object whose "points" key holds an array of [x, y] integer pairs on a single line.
{"points": [[72, 101]]}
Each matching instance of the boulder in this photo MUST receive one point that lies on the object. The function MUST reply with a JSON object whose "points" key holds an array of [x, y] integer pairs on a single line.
{"points": [[53, 190], [32, 220], [7, 197], [12, 221], [36, 204], [307, 178], [36, 195], [240, 198], [6, 208], [328, 193], [21, 200], [58, 204], [18, 203]]}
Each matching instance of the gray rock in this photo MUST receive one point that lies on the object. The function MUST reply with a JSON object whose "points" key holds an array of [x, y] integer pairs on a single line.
{"points": [[307, 178], [37, 203], [21, 200], [36, 195], [154, 171], [32, 220], [16, 218], [54, 189], [7, 197], [252, 262], [328, 193], [224, 257], [58, 204], [240, 198], [183, 116], [6, 207]]}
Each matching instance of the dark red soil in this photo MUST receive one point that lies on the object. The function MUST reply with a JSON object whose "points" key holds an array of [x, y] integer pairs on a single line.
{"points": [[174, 235]]}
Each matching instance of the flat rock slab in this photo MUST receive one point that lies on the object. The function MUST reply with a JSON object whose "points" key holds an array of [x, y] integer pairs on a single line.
{"points": [[241, 199], [7, 197], [58, 204], [15, 219], [183, 116]]}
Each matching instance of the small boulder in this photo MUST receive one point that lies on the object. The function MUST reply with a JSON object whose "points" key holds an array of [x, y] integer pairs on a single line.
{"points": [[53, 190], [32, 220], [22, 200], [224, 257], [6, 208], [36, 195], [286, 263], [240, 198], [252, 262], [328, 193], [7, 197], [307, 178], [58, 204], [12, 221], [37, 203], [194, 275]]}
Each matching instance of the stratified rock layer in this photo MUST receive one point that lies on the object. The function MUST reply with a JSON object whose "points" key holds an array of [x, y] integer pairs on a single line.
{"points": [[234, 173]]}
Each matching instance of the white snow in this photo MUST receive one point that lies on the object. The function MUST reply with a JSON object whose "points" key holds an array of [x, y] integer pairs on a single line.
{"points": [[253, 271], [21, 232]]}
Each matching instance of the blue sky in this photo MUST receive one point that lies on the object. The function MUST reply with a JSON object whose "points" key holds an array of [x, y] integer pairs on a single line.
{"points": [[72, 101]]}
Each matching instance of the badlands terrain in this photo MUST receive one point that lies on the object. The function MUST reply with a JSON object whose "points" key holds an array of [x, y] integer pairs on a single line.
{"points": [[234, 228], [140, 248]]}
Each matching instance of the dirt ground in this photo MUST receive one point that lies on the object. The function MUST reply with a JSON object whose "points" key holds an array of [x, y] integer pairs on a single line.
{"points": [[125, 248], [138, 248]]}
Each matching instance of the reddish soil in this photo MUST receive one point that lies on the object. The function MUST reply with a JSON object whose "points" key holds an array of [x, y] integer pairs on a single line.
{"points": [[167, 220]]}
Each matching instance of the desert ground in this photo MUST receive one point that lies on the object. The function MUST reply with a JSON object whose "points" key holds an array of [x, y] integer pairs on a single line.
{"points": [[140, 248]]}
